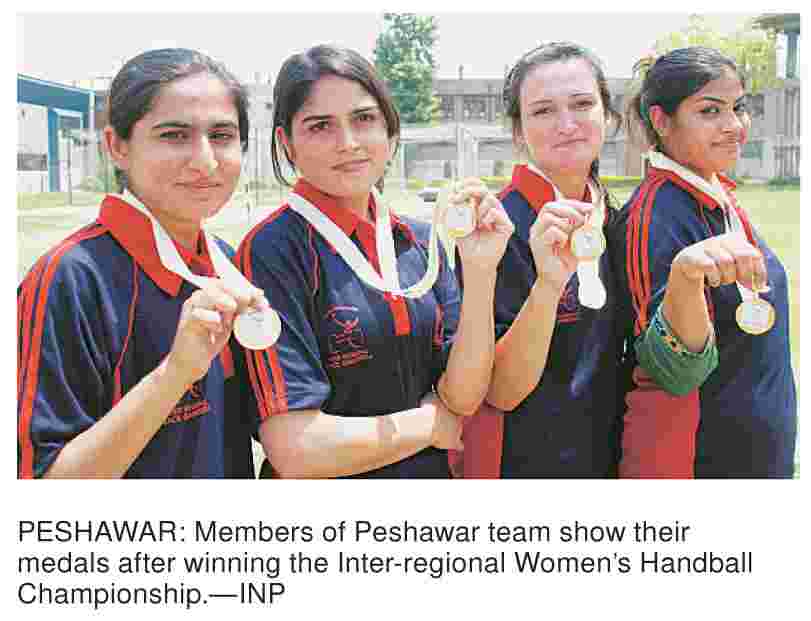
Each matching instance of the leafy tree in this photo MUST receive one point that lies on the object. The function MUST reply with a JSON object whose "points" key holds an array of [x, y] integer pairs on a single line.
{"points": [[404, 57], [752, 49]]}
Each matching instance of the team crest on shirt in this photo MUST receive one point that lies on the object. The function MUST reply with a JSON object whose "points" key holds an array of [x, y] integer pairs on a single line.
{"points": [[191, 405], [347, 343], [569, 305]]}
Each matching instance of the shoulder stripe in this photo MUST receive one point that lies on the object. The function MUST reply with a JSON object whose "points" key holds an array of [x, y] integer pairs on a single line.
{"points": [[637, 259], [270, 394], [31, 362], [26, 299]]}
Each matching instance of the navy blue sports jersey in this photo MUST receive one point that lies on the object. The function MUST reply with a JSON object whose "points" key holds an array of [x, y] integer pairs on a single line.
{"points": [[96, 314], [347, 349], [747, 406], [567, 426]]}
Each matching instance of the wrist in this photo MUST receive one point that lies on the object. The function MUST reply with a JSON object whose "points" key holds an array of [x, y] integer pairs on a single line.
{"points": [[680, 281], [472, 267], [547, 288], [170, 376]]}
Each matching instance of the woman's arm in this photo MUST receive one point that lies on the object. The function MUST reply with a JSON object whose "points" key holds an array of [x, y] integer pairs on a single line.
{"points": [[312, 444], [521, 354], [464, 383]]}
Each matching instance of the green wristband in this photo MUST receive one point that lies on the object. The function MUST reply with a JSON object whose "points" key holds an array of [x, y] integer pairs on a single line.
{"points": [[668, 361]]}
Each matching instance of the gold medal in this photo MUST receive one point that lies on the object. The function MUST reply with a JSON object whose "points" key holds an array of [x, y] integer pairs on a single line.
{"points": [[755, 316], [257, 329], [588, 243]]}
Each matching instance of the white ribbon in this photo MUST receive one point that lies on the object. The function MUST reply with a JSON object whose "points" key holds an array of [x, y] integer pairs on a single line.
{"points": [[591, 291], [388, 280], [171, 259]]}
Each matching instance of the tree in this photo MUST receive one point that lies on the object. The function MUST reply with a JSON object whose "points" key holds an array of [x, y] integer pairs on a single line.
{"points": [[404, 58], [753, 49]]}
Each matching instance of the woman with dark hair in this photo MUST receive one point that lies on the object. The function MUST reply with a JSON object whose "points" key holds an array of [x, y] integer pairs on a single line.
{"points": [[555, 373], [713, 391], [123, 365], [371, 313]]}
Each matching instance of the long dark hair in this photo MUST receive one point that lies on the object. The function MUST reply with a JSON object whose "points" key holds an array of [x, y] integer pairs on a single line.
{"points": [[668, 81], [140, 80], [295, 82], [544, 54]]}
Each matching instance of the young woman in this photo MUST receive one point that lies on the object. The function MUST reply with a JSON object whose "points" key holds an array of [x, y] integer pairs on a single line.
{"points": [[347, 390], [123, 364], [555, 372], [713, 391]]}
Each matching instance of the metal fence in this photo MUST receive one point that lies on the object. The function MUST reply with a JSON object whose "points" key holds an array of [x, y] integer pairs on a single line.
{"points": [[787, 161]]}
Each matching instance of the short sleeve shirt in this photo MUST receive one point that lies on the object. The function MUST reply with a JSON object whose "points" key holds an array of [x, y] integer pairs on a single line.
{"points": [[96, 314], [347, 349]]}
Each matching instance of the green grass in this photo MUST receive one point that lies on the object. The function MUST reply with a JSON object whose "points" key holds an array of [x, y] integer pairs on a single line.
{"points": [[38, 200]]}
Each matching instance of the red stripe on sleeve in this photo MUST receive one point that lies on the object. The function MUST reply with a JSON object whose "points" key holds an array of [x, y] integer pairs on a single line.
{"points": [[644, 267], [25, 305], [279, 386], [255, 384], [227, 361], [271, 396], [637, 260], [26, 468], [631, 253]]}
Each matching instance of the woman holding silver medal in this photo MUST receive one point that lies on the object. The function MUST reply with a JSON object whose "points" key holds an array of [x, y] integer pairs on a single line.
{"points": [[556, 367], [371, 314], [713, 391], [124, 367]]}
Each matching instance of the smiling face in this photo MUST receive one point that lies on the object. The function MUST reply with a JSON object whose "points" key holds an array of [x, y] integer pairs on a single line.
{"points": [[339, 140], [708, 129], [183, 157], [563, 121]]}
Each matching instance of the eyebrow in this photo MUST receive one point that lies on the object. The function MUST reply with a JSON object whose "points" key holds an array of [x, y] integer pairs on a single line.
{"points": [[184, 125], [324, 117], [539, 101], [719, 100]]}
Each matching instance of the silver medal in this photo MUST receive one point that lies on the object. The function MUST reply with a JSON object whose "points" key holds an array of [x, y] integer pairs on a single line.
{"points": [[588, 243], [257, 329]]}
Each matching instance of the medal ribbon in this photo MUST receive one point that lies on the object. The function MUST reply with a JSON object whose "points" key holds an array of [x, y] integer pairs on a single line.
{"points": [[388, 280], [172, 261]]}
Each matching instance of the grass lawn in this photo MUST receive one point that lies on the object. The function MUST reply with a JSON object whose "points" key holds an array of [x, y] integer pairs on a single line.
{"points": [[56, 199]]}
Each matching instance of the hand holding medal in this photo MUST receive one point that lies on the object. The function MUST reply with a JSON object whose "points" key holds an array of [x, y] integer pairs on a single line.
{"points": [[255, 327], [474, 220], [460, 211], [549, 240]]}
